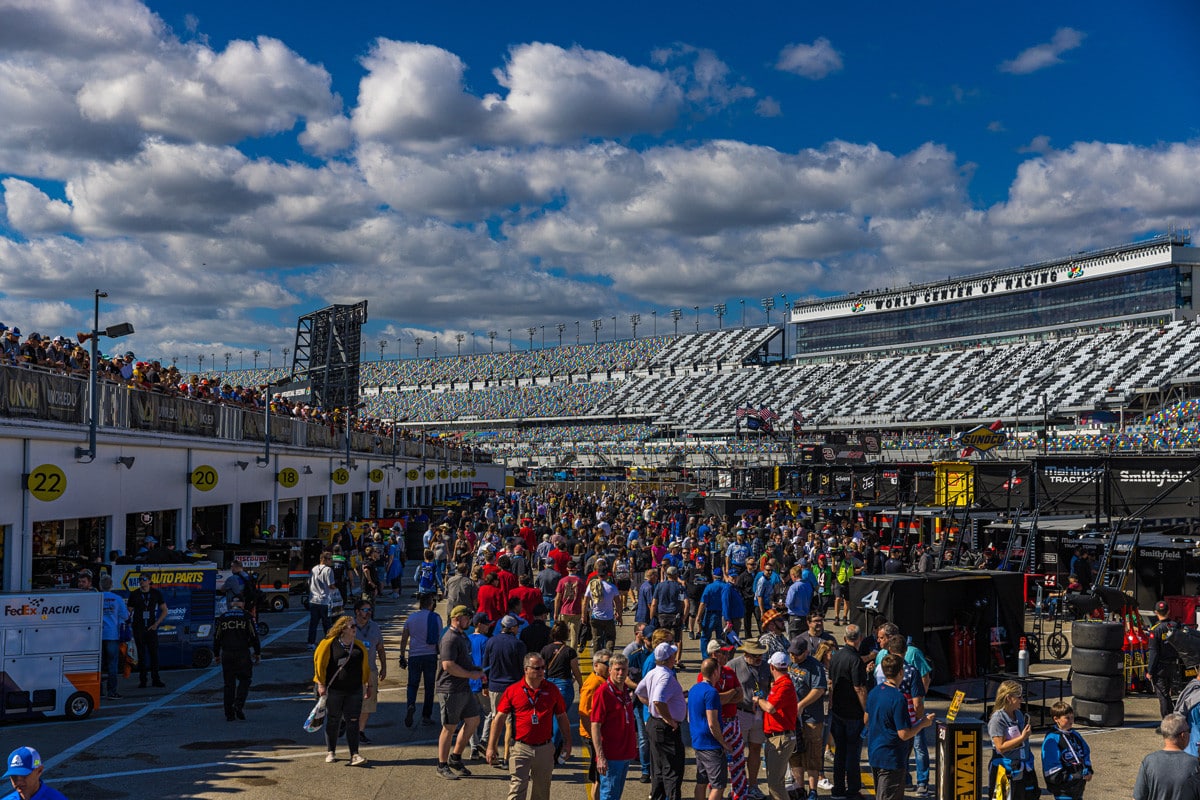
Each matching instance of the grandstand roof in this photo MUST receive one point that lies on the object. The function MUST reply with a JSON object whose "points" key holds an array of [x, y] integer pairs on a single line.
{"points": [[1157, 252]]}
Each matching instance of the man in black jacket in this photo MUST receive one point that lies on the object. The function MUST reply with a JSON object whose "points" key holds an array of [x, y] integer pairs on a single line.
{"points": [[234, 636]]}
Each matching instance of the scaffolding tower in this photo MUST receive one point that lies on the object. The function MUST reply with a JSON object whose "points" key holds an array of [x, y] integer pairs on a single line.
{"points": [[327, 354]]}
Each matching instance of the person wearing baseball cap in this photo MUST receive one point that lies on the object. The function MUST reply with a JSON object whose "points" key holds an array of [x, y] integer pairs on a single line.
{"points": [[1162, 662], [779, 724], [25, 774]]}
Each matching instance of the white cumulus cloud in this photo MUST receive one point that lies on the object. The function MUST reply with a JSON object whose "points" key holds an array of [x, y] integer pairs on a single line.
{"points": [[816, 61], [1046, 54]]}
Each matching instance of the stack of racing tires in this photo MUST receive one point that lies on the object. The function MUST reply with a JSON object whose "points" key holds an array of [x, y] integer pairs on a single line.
{"points": [[1098, 672]]}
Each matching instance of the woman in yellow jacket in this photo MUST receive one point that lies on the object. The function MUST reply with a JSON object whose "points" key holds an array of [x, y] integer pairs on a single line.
{"points": [[343, 679]]}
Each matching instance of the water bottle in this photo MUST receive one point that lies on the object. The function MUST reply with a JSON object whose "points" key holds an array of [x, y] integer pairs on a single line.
{"points": [[1023, 660]]}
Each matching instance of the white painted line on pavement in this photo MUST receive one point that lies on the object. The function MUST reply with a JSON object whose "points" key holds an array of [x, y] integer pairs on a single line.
{"points": [[125, 722], [229, 762]]}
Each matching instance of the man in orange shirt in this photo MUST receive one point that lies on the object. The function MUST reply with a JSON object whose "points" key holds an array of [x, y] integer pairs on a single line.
{"points": [[587, 694], [779, 725]]}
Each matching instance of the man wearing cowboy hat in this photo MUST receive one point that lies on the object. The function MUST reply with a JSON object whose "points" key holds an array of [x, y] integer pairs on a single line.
{"points": [[773, 639], [753, 674]]}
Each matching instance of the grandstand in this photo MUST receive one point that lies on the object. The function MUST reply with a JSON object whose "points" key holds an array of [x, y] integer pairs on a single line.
{"points": [[1079, 346]]}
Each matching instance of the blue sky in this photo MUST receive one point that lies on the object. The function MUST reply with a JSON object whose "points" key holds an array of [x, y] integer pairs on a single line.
{"points": [[221, 168]]}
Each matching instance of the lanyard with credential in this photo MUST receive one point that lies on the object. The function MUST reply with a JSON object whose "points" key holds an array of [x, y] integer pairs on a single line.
{"points": [[533, 718]]}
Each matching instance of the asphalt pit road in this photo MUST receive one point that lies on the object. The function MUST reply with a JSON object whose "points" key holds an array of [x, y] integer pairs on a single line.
{"points": [[280, 687], [149, 758], [88, 791], [288, 649], [237, 744], [256, 780]]}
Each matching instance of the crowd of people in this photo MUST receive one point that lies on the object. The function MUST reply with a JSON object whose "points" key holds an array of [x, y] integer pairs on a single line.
{"points": [[774, 704]]}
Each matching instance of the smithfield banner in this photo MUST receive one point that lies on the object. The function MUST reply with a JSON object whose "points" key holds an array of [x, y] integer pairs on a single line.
{"points": [[1119, 486]]}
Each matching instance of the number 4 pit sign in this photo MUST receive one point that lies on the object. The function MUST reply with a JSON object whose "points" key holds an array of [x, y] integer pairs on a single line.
{"points": [[46, 483]]}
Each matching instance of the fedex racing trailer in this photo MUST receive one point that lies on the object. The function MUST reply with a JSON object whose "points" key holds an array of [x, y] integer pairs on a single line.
{"points": [[50, 645]]}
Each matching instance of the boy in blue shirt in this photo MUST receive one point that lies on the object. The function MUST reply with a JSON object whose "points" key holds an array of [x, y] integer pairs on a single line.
{"points": [[889, 730], [1066, 760]]}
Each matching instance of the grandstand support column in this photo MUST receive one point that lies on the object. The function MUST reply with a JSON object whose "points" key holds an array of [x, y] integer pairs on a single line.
{"points": [[20, 563], [327, 512], [187, 501]]}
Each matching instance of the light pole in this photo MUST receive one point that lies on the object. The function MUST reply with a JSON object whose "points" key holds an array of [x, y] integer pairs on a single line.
{"points": [[241, 359], [200, 361], [743, 302], [383, 343], [510, 340], [697, 310], [492, 341], [399, 349], [458, 340], [285, 351], [531, 330], [654, 314], [256, 354], [418, 341], [614, 322], [228, 355], [435, 349], [576, 331], [767, 303], [719, 310], [634, 319], [265, 458], [560, 327], [676, 313], [543, 337], [112, 332], [474, 341], [597, 324]]}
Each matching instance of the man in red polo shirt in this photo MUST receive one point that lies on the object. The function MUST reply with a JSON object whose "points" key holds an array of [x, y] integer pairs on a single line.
{"points": [[534, 703], [614, 731], [779, 709]]}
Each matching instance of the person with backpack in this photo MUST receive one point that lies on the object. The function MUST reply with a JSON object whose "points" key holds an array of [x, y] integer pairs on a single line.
{"points": [[429, 579]]}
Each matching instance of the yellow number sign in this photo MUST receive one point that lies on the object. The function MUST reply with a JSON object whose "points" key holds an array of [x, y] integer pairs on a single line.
{"points": [[288, 477], [46, 483], [204, 478], [341, 475], [376, 475]]}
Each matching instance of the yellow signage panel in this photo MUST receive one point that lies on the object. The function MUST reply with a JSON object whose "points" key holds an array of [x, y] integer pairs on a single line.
{"points": [[203, 478], [954, 483], [341, 476], [983, 438], [376, 475], [288, 477], [46, 483]]}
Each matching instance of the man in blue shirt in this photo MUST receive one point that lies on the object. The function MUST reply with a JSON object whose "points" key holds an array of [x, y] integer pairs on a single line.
{"points": [[704, 723], [479, 638], [736, 554], [799, 603], [669, 606], [645, 596], [25, 773], [711, 608], [889, 729]]}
